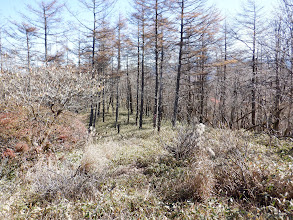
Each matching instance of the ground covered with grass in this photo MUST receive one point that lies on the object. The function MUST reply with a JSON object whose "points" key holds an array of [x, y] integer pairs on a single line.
{"points": [[191, 172]]}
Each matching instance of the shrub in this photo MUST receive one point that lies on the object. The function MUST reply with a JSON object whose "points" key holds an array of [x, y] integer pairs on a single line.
{"points": [[194, 183], [19, 129], [21, 147], [8, 153], [187, 141], [223, 164], [51, 181]]}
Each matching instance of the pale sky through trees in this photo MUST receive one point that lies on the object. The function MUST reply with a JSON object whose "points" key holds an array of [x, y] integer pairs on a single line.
{"points": [[233, 6], [10, 8]]}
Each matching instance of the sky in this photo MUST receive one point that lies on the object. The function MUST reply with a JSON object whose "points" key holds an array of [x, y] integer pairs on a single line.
{"points": [[9, 11], [233, 6], [9, 8]]}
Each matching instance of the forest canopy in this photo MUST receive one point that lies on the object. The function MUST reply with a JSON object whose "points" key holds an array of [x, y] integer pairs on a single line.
{"points": [[171, 60]]}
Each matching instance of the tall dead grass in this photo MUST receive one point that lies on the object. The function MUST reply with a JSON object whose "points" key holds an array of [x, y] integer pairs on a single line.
{"points": [[52, 181], [225, 164]]}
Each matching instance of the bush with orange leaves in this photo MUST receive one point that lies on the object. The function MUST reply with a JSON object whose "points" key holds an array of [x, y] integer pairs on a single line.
{"points": [[37, 111], [21, 134]]}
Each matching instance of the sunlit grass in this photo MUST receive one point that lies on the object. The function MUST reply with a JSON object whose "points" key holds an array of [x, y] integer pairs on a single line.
{"points": [[133, 175]]}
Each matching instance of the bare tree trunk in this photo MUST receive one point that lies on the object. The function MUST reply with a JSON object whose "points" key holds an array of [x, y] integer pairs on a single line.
{"points": [[202, 82], [93, 61], [117, 102], [103, 97], [289, 120], [79, 54], [130, 99], [91, 118], [223, 85], [138, 74], [161, 88], [142, 73], [118, 74], [46, 36], [95, 116], [233, 107], [28, 52], [156, 68], [128, 92], [111, 102], [253, 80], [277, 110], [175, 110]]}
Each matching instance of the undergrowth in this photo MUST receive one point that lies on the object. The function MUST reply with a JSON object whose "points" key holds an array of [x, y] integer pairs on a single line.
{"points": [[191, 172]]}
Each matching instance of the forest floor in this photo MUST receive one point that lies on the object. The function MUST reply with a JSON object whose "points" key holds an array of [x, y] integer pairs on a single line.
{"points": [[184, 173]]}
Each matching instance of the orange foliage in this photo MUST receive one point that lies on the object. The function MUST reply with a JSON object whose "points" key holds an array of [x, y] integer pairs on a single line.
{"points": [[21, 147], [214, 100], [19, 128], [8, 153]]}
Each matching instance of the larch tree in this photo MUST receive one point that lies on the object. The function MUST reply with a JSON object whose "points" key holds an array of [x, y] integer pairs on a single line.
{"points": [[47, 16], [157, 9], [129, 100], [161, 69], [286, 9], [209, 28], [99, 10], [140, 16], [249, 31], [24, 33], [187, 11], [120, 26]]}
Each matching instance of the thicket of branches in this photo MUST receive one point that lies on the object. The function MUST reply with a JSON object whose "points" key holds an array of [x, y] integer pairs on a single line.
{"points": [[178, 60]]}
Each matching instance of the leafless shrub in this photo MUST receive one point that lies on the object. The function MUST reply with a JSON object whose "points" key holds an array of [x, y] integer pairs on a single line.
{"points": [[248, 172], [186, 142], [195, 183], [96, 158], [51, 181], [228, 165], [239, 177], [43, 96]]}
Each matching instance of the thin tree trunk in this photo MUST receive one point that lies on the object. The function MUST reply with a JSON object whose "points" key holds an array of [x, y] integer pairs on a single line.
{"points": [[128, 92], [161, 88], [142, 74], [175, 110], [103, 97], [253, 81], [277, 81], [223, 93], [112, 90], [93, 62], [118, 75], [46, 42], [289, 120], [91, 118], [28, 52], [202, 83], [130, 99], [79, 53], [156, 68], [95, 116], [99, 105], [138, 74], [117, 101]]}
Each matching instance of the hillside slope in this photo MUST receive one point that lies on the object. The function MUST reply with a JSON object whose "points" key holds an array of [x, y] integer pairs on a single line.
{"points": [[186, 173]]}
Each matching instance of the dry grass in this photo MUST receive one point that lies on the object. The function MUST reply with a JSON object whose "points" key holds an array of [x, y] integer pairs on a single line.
{"points": [[140, 174]]}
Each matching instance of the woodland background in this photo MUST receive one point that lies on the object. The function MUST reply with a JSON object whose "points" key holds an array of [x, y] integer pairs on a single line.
{"points": [[171, 112], [174, 60]]}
